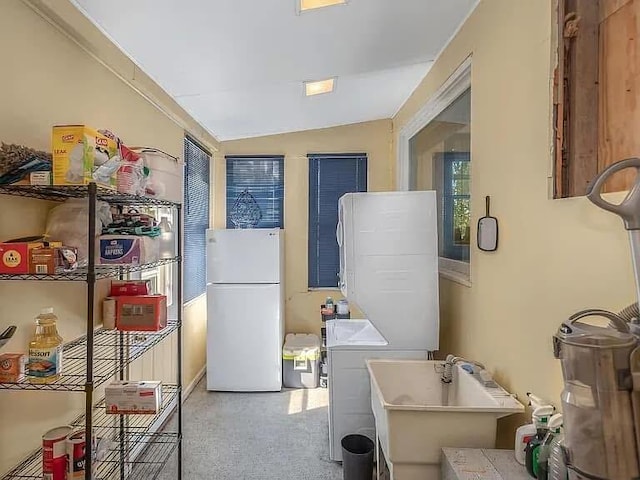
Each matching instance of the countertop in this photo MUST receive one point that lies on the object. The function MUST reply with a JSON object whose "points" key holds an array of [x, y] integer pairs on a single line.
{"points": [[481, 464]]}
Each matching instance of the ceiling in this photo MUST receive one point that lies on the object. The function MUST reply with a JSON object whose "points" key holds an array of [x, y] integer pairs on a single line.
{"points": [[237, 66]]}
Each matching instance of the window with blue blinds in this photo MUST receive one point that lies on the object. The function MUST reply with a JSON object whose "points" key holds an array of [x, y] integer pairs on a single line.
{"points": [[196, 218], [255, 191], [330, 177]]}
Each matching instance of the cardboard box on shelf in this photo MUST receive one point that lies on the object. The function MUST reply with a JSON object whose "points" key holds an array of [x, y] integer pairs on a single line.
{"points": [[129, 287], [40, 178], [14, 255], [82, 155], [133, 397], [12, 366], [145, 313], [53, 260]]}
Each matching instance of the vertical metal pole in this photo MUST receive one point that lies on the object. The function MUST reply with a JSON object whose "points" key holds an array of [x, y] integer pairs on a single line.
{"points": [[91, 284], [121, 377], [122, 421], [179, 299]]}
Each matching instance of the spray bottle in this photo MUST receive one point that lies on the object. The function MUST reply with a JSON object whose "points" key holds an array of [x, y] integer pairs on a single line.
{"points": [[544, 452], [541, 417], [526, 432], [557, 465]]}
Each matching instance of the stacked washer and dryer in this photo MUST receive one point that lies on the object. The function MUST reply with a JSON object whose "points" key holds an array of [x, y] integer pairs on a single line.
{"points": [[389, 270]]}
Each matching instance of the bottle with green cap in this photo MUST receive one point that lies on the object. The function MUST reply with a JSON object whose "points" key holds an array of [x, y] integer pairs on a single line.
{"points": [[541, 416], [544, 452]]}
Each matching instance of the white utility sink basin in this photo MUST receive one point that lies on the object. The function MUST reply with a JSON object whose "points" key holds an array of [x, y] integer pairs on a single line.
{"points": [[417, 415]]}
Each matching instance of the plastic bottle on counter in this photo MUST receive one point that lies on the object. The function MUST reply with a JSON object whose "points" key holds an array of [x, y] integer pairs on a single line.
{"points": [[329, 306], [557, 466], [541, 417], [555, 424], [342, 307], [45, 349], [526, 432], [167, 239]]}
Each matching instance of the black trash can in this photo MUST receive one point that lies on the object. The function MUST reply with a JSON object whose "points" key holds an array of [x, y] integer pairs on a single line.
{"points": [[357, 457]]}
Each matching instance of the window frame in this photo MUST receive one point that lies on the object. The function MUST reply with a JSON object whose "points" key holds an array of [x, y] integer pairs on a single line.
{"points": [[448, 203], [458, 83], [587, 90], [363, 182]]}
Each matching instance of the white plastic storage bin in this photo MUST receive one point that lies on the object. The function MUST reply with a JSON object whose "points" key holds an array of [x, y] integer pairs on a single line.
{"points": [[301, 361], [166, 174]]}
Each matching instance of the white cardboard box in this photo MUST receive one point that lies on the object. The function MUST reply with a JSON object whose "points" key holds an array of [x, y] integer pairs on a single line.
{"points": [[133, 397]]}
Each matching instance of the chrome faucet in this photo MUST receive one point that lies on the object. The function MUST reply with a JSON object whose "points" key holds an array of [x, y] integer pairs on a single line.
{"points": [[447, 373]]}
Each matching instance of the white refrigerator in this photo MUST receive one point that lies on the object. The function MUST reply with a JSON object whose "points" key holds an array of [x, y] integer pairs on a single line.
{"points": [[245, 309]]}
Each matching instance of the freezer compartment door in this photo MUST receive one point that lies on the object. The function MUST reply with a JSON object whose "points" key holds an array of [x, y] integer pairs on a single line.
{"points": [[245, 256], [245, 331]]}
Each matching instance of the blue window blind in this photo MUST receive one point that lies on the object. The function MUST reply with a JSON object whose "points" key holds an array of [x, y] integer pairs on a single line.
{"points": [[330, 177], [255, 191], [196, 218]]}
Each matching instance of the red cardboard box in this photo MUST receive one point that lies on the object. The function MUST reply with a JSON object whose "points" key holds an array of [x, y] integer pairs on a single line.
{"points": [[12, 366], [121, 288], [14, 257], [144, 313], [14, 254]]}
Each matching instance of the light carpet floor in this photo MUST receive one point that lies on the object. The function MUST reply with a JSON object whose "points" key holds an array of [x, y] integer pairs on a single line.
{"points": [[255, 436]]}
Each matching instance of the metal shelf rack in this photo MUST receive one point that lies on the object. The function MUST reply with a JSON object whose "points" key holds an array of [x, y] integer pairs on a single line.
{"points": [[137, 450], [62, 193], [101, 272], [106, 358], [147, 466]]}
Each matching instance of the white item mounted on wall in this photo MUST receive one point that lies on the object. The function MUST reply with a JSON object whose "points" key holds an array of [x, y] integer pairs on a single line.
{"points": [[488, 230], [389, 264], [245, 309]]}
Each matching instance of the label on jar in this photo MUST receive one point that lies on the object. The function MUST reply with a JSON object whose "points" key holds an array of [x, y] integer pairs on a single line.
{"points": [[45, 362]]}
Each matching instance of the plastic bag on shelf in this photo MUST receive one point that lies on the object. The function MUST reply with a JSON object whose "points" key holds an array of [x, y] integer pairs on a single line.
{"points": [[69, 223], [132, 174], [165, 174]]}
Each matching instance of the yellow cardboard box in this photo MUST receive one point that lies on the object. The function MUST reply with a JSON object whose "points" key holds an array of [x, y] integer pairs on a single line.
{"points": [[82, 155]]}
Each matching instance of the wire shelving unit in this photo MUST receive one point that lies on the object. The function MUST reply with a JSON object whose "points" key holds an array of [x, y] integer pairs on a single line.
{"points": [[138, 447]]}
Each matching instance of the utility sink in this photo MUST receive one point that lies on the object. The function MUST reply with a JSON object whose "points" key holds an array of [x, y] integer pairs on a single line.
{"points": [[417, 414]]}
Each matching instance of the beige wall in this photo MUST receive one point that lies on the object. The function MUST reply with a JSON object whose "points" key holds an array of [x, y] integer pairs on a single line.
{"points": [[555, 256], [47, 79], [373, 138]]}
